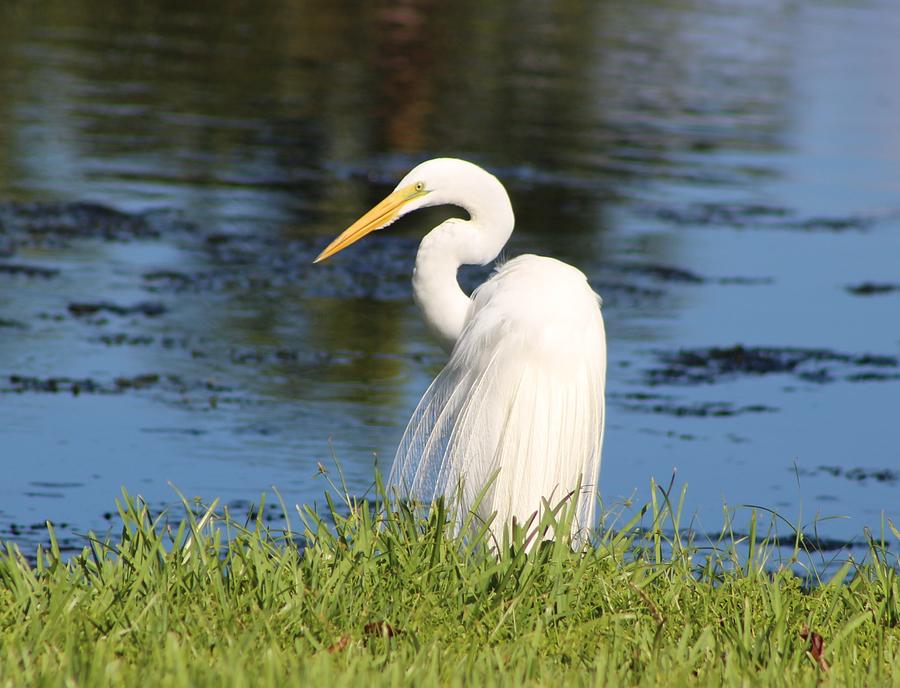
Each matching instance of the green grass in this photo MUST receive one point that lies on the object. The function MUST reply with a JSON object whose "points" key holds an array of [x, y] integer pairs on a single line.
{"points": [[384, 596]]}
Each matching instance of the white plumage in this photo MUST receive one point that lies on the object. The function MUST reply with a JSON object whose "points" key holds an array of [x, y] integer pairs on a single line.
{"points": [[521, 399]]}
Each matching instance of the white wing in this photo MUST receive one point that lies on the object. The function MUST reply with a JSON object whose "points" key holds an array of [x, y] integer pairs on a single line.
{"points": [[521, 396]]}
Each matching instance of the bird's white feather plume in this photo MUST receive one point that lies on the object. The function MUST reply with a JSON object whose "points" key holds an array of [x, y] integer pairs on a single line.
{"points": [[521, 399]]}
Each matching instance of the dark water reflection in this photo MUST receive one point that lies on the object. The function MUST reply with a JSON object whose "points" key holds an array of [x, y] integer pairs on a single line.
{"points": [[722, 171]]}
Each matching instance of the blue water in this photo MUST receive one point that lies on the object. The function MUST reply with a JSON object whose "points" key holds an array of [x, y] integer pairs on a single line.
{"points": [[753, 144]]}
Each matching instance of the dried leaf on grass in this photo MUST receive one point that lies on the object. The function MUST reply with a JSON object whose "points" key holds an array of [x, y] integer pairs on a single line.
{"points": [[382, 628], [341, 644], [373, 628], [816, 647]]}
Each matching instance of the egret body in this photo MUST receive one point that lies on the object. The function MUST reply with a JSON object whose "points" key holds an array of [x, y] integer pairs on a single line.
{"points": [[521, 399]]}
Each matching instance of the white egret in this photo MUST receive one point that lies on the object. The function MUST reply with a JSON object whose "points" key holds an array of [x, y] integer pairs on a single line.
{"points": [[522, 397]]}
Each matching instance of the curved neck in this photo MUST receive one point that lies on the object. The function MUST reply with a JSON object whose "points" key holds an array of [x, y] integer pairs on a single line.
{"points": [[476, 241]]}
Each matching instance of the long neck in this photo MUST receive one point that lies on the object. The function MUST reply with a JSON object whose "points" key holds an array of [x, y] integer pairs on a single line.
{"points": [[476, 241]]}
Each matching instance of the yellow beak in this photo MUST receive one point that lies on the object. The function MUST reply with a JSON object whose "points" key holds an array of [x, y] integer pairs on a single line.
{"points": [[381, 215]]}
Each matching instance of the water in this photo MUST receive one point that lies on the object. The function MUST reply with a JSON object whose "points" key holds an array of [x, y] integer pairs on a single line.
{"points": [[722, 171]]}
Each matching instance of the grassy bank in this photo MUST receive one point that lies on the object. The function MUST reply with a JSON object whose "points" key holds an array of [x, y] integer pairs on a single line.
{"points": [[384, 596]]}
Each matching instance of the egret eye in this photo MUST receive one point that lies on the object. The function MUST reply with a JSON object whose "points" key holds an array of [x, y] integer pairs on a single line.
{"points": [[420, 186]]}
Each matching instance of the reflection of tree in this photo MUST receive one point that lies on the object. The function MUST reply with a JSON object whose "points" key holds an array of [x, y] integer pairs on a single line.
{"points": [[349, 347], [259, 115], [404, 64], [373, 332], [187, 99]]}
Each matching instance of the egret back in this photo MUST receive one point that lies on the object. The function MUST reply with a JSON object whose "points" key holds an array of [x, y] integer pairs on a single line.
{"points": [[520, 401]]}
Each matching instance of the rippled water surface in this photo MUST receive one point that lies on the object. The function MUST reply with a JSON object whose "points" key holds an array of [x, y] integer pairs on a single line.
{"points": [[726, 173]]}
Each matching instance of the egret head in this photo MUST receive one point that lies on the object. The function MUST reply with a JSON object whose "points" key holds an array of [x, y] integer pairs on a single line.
{"points": [[435, 182]]}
